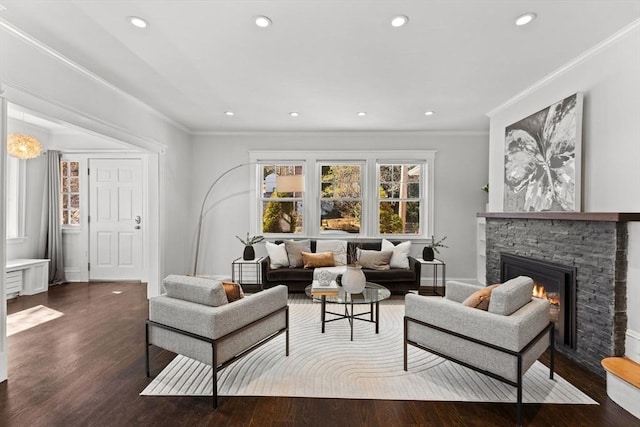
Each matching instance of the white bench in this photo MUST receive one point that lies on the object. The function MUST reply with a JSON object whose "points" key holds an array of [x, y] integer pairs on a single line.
{"points": [[27, 276]]}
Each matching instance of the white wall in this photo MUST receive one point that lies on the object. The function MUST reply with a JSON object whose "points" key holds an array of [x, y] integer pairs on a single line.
{"points": [[460, 172], [609, 77]]}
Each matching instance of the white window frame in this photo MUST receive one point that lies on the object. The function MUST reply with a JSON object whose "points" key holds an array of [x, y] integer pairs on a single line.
{"points": [[261, 199], [363, 189], [311, 161], [424, 179], [16, 184]]}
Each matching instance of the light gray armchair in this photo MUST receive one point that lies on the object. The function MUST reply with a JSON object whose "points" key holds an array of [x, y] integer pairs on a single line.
{"points": [[502, 342], [194, 318]]}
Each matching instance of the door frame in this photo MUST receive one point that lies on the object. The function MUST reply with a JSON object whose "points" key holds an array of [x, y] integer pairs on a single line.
{"points": [[77, 271]]}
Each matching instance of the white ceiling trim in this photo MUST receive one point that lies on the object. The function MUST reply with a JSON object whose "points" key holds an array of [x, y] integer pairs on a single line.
{"points": [[16, 32], [342, 133], [624, 32]]}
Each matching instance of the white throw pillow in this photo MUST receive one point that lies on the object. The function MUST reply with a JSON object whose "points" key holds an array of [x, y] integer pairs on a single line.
{"points": [[277, 255], [338, 247], [400, 257]]}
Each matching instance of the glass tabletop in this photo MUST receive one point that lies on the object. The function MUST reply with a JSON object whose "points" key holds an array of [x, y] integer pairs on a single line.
{"points": [[371, 293]]}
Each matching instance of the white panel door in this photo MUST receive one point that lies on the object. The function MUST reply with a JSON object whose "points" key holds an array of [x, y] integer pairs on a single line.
{"points": [[115, 223]]}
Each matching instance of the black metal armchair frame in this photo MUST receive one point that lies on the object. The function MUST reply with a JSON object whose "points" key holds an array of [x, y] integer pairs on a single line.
{"points": [[517, 354], [215, 342]]}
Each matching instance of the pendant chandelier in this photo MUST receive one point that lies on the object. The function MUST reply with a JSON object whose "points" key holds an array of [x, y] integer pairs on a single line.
{"points": [[23, 146]]}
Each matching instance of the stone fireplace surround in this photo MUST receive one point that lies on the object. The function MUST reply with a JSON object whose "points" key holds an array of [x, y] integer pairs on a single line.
{"points": [[594, 243]]}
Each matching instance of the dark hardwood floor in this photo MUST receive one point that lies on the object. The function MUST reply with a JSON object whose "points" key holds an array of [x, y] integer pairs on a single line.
{"points": [[86, 368]]}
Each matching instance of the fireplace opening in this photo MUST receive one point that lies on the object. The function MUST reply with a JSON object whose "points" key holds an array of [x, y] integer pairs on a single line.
{"points": [[554, 282]]}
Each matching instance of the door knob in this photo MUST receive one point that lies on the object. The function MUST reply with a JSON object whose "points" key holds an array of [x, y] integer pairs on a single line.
{"points": [[137, 219], [137, 227]]}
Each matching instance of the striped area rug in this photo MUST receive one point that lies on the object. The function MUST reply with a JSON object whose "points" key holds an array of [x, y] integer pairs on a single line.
{"points": [[329, 365]]}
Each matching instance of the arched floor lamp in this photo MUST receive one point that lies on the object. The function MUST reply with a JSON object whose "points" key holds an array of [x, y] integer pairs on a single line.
{"points": [[284, 183], [204, 202]]}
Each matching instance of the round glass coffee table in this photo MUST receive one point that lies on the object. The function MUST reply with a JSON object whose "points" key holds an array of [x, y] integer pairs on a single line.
{"points": [[372, 295]]}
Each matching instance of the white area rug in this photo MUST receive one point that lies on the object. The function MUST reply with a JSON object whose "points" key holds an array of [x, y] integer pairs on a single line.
{"points": [[329, 365], [26, 319]]}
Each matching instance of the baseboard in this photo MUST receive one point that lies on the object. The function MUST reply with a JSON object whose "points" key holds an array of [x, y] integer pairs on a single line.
{"points": [[632, 345], [428, 281]]}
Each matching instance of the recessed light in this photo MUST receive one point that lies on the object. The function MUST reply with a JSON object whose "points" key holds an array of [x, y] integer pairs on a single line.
{"points": [[362, 113], [138, 22], [229, 113], [294, 114], [429, 113], [263, 21], [525, 19], [399, 21]]}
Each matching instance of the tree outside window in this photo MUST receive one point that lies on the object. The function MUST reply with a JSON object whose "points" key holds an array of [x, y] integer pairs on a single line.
{"points": [[399, 198], [70, 192], [340, 198], [282, 199]]}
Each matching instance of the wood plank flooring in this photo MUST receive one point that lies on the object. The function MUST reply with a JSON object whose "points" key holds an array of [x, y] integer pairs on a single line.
{"points": [[86, 368]]}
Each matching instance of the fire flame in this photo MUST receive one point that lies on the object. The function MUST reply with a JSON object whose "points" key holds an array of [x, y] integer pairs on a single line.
{"points": [[538, 291]]}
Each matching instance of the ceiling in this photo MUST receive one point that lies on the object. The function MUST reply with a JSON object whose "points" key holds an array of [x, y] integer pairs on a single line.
{"points": [[326, 59]]}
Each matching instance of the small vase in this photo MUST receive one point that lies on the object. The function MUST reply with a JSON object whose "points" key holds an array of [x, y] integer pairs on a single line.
{"points": [[427, 253], [248, 253], [353, 280]]}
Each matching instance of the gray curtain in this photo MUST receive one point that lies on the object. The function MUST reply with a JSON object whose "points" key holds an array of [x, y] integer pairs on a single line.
{"points": [[54, 228]]}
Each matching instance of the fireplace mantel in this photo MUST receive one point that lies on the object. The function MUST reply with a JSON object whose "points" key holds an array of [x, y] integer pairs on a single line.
{"points": [[567, 216]]}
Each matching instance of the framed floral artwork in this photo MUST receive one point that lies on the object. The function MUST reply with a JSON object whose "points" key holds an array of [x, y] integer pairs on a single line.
{"points": [[543, 158]]}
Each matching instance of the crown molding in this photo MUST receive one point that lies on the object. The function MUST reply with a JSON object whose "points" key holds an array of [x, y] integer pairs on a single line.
{"points": [[621, 34], [343, 133], [18, 33]]}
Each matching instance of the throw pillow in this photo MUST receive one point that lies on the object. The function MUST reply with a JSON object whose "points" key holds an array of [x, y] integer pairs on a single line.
{"points": [[400, 257], [195, 289], [277, 255], [322, 259], [480, 299], [511, 295], [338, 247], [233, 290], [294, 251], [375, 260]]}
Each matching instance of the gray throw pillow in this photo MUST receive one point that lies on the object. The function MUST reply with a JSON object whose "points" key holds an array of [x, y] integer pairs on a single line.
{"points": [[195, 289], [375, 260], [294, 251], [507, 298]]}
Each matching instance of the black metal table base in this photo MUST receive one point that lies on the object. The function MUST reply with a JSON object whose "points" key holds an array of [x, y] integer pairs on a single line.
{"points": [[374, 312]]}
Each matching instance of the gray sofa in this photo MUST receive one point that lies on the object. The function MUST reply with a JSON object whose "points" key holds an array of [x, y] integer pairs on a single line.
{"points": [[194, 318], [397, 280], [502, 342]]}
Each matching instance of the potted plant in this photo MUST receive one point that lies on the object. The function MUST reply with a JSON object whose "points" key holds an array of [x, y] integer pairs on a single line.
{"points": [[429, 251], [249, 253]]}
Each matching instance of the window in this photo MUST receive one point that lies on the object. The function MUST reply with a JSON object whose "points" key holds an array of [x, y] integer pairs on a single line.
{"points": [[15, 198], [399, 198], [70, 192], [340, 198], [282, 198], [363, 193]]}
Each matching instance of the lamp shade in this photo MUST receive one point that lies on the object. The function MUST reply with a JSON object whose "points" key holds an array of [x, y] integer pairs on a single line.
{"points": [[289, 183], [23, 146]]}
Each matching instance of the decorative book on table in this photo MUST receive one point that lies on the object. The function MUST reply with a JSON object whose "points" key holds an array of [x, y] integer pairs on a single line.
{"points": [[318, 287]]}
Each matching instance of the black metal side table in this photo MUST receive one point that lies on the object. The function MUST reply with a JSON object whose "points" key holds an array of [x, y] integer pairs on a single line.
{"points": [[247, 272]]}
